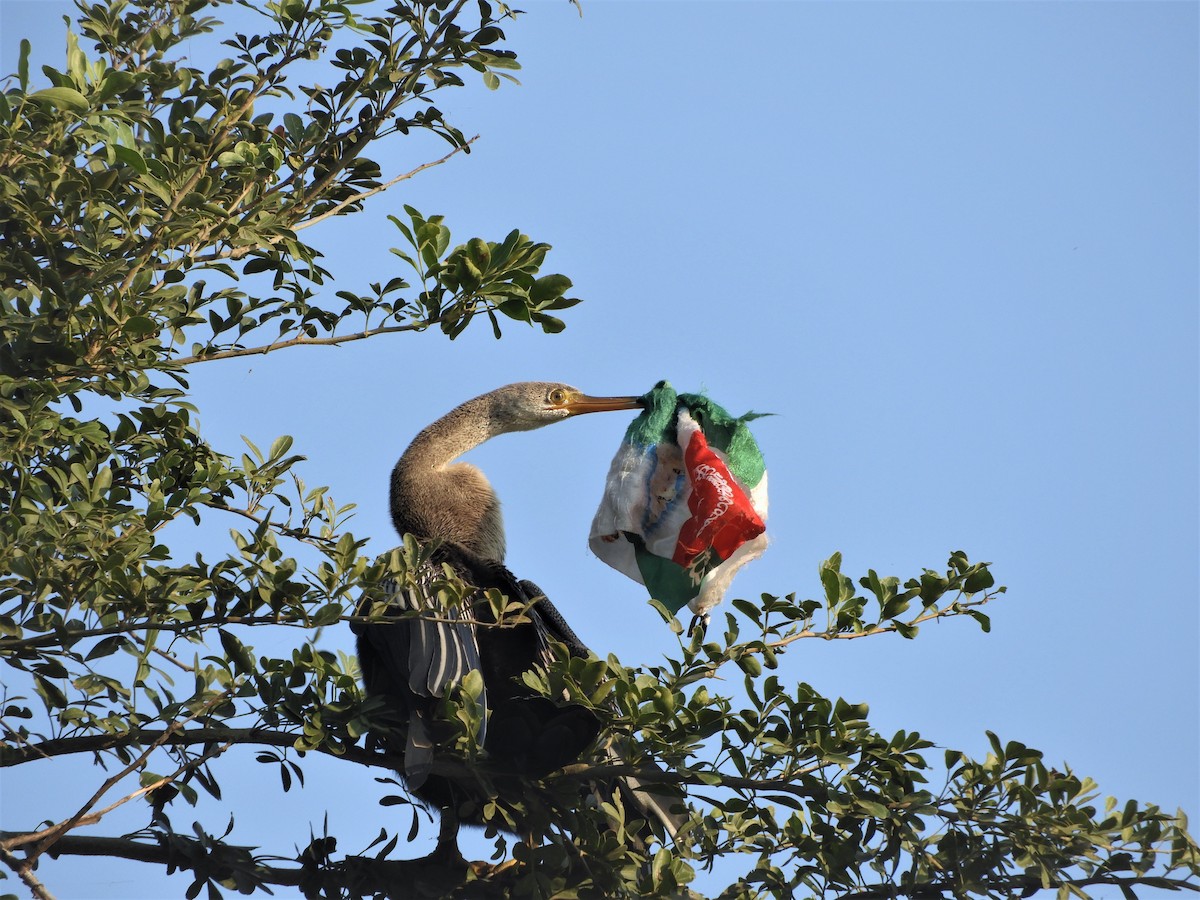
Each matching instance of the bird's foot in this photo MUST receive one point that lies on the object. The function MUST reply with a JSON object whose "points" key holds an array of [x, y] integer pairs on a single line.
{"points": [[449, 857], [446, 853], [484, 869]]}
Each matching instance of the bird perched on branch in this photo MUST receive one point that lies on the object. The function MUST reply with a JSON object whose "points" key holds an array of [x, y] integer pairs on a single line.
{"points": [[423, 647]]}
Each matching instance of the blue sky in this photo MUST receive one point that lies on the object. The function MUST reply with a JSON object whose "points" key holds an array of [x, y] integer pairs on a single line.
{"points": [[952, 246]]}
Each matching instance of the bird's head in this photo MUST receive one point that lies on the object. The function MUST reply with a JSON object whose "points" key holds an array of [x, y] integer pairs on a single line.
{"points": [[532, 404]]}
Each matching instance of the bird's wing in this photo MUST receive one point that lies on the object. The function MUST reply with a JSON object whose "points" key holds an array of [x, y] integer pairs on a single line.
{"points": [[427, 652], [659, 803], [551, 625], [442, 644], [662, 804], [417, 658]]}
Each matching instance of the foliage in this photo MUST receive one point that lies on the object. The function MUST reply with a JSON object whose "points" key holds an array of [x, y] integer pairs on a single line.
{"points": [[151, 214]]}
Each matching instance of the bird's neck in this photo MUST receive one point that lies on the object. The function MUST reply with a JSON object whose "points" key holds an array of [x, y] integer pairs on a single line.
{"points": [[432, 497], [462, 429]]}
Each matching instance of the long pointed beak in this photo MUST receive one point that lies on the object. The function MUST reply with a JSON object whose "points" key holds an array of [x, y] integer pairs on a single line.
{"points": [[582, 403]]}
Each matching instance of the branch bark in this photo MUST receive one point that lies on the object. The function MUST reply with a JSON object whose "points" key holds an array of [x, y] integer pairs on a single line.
{"points": [[302, 340], [433, 872], [329, 213], [956, 608], [24, 870], [1010, 886], [11, 756], [439, 873]]}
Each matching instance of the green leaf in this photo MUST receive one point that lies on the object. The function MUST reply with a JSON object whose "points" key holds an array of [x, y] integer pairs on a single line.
{"points": [[136, 326], [878, 810], [979, 580], [905, 630], [751, 611], [667, 616], [115, 81], [549, 324], [62, 98], [985, 622], [516, 308], [490, 79], [76, 60], [749, 664], [157, 188], [548, 287], [131, 158], [933, 586], [280, 446], [472, 684], [836, 589], [23, 65], [50, 693], [236, 652], [294, 126], [327, 615], [562, 303]]}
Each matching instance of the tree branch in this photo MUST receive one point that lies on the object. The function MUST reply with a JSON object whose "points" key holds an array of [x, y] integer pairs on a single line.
{"points": [[381, 188], [125, 848], [56, 638], [166, 218], [24, 869], [957, 608], [368, 875], [363, 871], [13, 645], [1010, 886], [13, 756], [369, 130], [47, 837], [332, 340], [44, 839]]}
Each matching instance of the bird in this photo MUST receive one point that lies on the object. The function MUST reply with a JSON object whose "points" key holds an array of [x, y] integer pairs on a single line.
{"points": [[412, 659]]}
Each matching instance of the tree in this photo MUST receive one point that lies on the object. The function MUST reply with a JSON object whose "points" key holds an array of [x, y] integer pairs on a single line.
{"points": [[151, 215]]}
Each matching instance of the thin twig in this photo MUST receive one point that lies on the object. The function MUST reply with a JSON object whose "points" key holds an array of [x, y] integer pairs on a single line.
{"points": [[298, 341], [286, 530], [9, 645], [204, 757], [958, 607], [383, 187], [46, 837], [10, 756], [15, 735], [1009, 886], [24, 869], [443, 765], [141, 641]]}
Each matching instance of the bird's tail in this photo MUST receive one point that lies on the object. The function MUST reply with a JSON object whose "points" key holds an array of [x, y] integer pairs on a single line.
{"points": [[656, 804], [659, 805]]}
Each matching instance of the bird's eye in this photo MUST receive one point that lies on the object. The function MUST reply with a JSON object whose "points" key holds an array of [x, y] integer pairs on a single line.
{"points": [[557, 397]]}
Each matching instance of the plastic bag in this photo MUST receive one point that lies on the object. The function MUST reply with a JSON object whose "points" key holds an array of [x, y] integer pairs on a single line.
{"points": [[685, 502]]}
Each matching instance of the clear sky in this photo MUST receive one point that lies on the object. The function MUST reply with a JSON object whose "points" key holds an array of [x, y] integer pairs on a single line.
{"points": [[952, 246]]}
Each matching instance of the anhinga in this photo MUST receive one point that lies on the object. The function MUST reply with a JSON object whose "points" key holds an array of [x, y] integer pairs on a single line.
{"points": [[413, 661]]}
